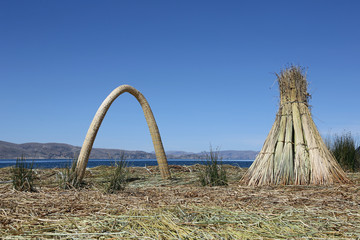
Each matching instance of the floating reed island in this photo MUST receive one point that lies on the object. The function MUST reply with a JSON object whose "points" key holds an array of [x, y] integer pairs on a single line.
{"points": [[294, 152]]}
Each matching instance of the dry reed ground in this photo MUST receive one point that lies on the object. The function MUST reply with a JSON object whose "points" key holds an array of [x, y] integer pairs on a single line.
{"points": [[152, 208]]}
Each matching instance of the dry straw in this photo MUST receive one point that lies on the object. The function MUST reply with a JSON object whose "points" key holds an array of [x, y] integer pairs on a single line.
{"points": [[294, 152], [151, 208], [99, 116]]}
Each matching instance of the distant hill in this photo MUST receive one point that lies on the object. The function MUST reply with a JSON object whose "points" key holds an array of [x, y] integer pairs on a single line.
{"points": [[228, 154], [65, 151]]}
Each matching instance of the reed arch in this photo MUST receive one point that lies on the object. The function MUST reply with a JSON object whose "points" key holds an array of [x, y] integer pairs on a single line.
{"points": [[99, 117]]}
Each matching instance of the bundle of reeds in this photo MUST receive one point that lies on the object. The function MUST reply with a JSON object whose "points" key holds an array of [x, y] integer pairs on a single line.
{"points": [[99, 117], [294, 152]]}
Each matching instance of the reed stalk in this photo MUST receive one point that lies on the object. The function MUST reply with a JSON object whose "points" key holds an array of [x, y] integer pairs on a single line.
{"points": [[302, 169]]}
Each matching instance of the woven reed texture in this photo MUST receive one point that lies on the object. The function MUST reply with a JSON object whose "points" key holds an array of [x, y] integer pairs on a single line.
{"points": [[294, 152], [99, 117]]}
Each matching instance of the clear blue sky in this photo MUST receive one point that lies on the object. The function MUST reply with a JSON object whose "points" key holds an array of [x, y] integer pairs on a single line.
{"points": [[206, 68]]}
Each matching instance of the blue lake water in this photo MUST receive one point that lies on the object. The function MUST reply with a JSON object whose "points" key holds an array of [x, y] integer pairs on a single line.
{"points": [[61, 163]]}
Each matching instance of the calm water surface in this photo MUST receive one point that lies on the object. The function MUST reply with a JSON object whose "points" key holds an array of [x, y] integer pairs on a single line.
{"points": [[60, 163]]}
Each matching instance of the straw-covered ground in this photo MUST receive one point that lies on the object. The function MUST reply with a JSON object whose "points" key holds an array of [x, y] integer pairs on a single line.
{"points": [[151, 208]]}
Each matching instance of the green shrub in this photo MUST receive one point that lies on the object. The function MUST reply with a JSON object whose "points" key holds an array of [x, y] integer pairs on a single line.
{"points": [[68, 178], [214, 173], [118, 179], [343, 147], [23, 175]]}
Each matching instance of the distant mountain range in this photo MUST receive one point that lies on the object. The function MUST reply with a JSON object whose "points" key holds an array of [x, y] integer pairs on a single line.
{"points": [[65, 151]]}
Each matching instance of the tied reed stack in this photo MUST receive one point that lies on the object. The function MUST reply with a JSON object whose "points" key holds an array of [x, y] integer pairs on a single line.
{"points": [[294, 152], [98, 118]]}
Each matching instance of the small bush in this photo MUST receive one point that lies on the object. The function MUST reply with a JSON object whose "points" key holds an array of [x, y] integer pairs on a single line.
{"points": [[343, 147], [119, 178], [68, 177], [214, 173], [23, 175]]}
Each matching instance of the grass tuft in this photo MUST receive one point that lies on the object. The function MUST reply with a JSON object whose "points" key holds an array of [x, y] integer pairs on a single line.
{"points": [[23, 175], [119, 178], [343, 147], [68, 177], [214, 173]]}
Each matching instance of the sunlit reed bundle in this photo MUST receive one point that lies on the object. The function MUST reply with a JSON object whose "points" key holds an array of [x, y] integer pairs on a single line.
{"points": [[294, 152]]}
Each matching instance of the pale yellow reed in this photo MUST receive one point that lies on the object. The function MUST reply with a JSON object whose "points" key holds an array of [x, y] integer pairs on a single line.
{"points": [[98, 118], [294, 152]]}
